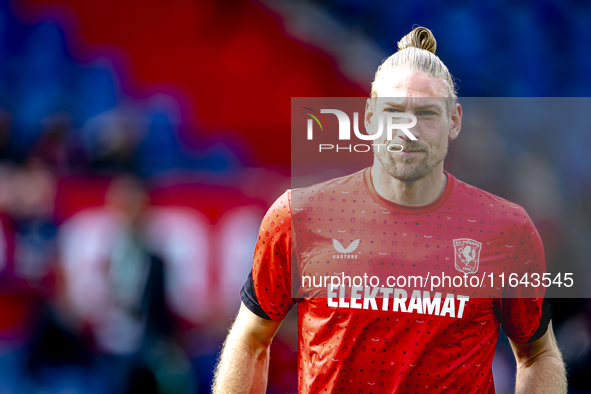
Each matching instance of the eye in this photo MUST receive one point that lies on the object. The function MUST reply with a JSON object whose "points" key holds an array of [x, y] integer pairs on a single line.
{"points": [[426, 113], [392, 110]]}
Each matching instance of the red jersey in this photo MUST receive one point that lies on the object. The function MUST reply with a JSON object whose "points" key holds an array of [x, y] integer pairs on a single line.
{"points": [[377, 338]]}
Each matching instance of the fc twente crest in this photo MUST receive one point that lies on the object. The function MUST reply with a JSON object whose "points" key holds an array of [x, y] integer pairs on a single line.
{"points": [[467, 255]]}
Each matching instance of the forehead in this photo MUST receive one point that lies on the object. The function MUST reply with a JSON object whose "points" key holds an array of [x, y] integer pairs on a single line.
{"points": [[400, 83]]}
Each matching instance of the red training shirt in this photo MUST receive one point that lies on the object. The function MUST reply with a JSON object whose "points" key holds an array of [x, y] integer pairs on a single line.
{"points": [[383, 340]]}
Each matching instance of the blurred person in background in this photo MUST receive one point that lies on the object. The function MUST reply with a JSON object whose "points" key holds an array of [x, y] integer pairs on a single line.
{"points": [[111, 138], [27, 276], [16, 296], [114, 291]]}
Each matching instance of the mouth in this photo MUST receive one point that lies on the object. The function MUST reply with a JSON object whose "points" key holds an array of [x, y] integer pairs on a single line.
{"points": [[409, 152]]}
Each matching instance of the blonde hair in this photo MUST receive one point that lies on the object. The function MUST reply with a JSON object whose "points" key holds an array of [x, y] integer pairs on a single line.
{"points": [[416, 53]]}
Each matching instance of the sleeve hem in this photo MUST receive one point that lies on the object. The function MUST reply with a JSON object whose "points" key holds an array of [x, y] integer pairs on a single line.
{"points": [[249, 299], [544, 322]]}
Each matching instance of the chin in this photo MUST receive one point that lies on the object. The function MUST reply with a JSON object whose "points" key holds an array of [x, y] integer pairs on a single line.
{"points": [[407, 174]]}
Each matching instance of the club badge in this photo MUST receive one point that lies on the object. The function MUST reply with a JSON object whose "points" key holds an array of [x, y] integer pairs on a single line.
{"points": [[467, 255]]}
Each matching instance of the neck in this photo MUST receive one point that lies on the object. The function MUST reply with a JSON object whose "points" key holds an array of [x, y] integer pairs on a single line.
{"points": [[416, 193]]}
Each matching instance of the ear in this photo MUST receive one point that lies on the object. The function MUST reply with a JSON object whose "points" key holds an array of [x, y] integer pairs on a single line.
{"points": [[456, 121], [368, 119]]}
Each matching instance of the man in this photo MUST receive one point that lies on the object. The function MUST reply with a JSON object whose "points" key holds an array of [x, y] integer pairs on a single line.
{"points": [[405, 215]]}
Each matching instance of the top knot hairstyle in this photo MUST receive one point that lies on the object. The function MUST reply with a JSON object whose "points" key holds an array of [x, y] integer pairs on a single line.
{"points": [[416, 53], [421, 38]]}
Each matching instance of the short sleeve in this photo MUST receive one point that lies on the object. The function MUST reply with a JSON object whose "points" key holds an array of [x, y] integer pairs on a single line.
{"points": [[525, 313], [267, 291]]}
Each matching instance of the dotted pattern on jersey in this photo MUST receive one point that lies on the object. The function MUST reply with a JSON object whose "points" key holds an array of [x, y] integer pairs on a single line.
{"points": [[344, 350], [271, 263]]}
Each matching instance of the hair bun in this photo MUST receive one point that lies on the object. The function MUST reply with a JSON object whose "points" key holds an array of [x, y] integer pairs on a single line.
{"points": [[419, 37]]}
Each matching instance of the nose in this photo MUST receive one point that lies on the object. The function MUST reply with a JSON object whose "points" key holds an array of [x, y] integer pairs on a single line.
{"points": [[404, 125], [406, 134], [402, 135]]}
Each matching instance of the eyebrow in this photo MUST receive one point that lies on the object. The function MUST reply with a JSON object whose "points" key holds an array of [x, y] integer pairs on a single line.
{"points": [[428, 106], [420, 107]]}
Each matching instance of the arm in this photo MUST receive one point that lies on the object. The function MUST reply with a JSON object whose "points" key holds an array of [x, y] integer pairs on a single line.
{"points": [[244, 363], [540, 368]]}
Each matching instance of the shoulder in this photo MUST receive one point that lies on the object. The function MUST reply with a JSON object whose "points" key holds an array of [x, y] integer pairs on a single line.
{"points": [[280, 210], [335, 186], [97, 218], [488, 206]]}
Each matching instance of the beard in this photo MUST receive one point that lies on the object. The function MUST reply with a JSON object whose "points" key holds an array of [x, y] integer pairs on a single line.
{"points": [[411, 168]]}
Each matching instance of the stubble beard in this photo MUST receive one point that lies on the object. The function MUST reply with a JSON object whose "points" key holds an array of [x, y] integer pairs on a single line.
{"points": [[403, 169]]}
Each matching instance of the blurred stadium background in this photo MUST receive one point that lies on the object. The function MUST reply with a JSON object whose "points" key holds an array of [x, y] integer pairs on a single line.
{"points": [[141, 142]]}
